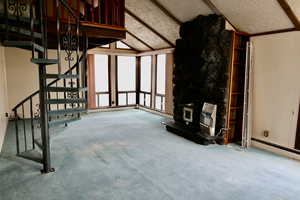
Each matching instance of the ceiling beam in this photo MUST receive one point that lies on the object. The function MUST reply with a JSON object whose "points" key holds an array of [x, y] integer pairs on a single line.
{"points": [[130, 46], [167, 12], [140, 40], [149, 27], [274, 32], [156, 52], [218, 12], [212, 7], [289, 12]]}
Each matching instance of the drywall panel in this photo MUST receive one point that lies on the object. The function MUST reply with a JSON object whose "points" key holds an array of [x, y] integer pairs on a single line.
{"points": [[152, 15], [254, 16], [295, 6], [23, 77], [3, 97], [276, 87], [186, 10], [144, 33]]}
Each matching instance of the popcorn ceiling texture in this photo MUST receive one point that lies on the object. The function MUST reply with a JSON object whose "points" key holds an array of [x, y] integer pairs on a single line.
{"points": [[254, 16], [155, 17], [295, 5], [144, 33], [186, 10], [135, 43]]}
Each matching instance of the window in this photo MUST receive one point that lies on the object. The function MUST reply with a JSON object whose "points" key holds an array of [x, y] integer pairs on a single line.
{"points": [[145, 94], [160, 83], [105, 46], [101, 80], [126, 80], [121, 45]]}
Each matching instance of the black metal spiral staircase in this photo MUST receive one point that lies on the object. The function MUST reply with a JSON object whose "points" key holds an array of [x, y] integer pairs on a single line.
{"points": [[62, 95]]}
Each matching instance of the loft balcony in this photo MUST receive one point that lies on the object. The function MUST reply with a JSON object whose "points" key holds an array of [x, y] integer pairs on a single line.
{"points": [[102, 21]]}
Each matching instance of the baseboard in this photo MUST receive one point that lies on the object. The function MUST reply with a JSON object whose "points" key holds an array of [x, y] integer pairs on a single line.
{"points": [[277, 149], [128, 108], [155, 112], [111, 109]]}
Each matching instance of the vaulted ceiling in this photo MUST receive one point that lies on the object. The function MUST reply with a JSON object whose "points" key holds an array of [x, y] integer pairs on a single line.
{"points": [[154, 24]]}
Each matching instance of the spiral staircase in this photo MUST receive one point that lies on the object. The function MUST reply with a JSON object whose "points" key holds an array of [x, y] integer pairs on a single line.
{"points": [[62, 94]]}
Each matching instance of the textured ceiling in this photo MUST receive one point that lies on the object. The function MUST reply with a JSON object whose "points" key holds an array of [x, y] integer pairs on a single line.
{"points": [[186, 10], [154, 17], [134, 43], [254, 16], [143, 33], [295, 5], [251, 16]]}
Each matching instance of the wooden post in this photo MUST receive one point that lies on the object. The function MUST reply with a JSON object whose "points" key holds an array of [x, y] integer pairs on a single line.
{"points": [[153, 81], [91, 82], [169, 84], [297, 142]]}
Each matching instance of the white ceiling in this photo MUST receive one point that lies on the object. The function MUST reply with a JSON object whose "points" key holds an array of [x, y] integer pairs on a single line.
{"points": [[295, 5], [186, 10], [254, 16], [251, 16]]}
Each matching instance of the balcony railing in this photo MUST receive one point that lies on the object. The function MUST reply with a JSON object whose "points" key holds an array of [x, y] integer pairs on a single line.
{"points": [[107, 12]]}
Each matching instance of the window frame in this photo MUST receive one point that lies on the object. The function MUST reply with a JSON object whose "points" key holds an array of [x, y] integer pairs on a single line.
{"points": [[125, 92]]}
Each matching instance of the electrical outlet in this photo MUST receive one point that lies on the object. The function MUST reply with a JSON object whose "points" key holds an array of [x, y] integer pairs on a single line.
{"points": [[266, 133]]}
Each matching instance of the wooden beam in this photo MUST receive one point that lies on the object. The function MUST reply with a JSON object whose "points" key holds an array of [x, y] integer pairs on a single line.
{"points": [[91, 81], [141, 41], [274, 32], [167, 12], [149, 27], [218, 12], [212, 7], [156, 52], [289, 12]]}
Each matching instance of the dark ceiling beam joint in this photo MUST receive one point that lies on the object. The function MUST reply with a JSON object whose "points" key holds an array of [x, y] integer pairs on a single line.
{"points": [[166, 12], [149, 27], [218, 12], [130, 46], [275, 32], [140, 40], [289, 12]]}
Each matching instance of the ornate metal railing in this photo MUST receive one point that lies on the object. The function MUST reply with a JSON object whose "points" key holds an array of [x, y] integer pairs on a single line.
{"points": [[33, 114], [27, 114]]}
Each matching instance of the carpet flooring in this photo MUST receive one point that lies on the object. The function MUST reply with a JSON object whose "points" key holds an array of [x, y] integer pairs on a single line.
{"points": [[128, 155]]}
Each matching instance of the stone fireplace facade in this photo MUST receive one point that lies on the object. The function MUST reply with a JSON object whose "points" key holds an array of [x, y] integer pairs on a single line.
{"points": [[202, 57]]}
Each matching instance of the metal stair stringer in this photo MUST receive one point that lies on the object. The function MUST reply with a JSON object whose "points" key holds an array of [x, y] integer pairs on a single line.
{"points": [[74, 96]]}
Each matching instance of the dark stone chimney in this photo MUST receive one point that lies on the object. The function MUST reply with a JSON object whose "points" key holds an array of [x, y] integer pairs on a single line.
{"points": [[202, 57]]}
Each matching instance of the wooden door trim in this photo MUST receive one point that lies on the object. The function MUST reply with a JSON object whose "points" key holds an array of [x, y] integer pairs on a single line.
{"points": [[297, 141]]}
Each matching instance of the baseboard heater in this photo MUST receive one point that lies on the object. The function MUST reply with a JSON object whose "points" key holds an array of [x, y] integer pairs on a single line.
{"points": [[277, 146]]}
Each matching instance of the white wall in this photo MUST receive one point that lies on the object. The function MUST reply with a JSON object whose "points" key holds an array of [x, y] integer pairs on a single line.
{"points": [[276, 87], [23, 77], [3, 97]]}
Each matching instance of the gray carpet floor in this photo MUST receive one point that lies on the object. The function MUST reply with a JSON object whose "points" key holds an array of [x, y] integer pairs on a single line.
{"points": [[128, 155]]}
